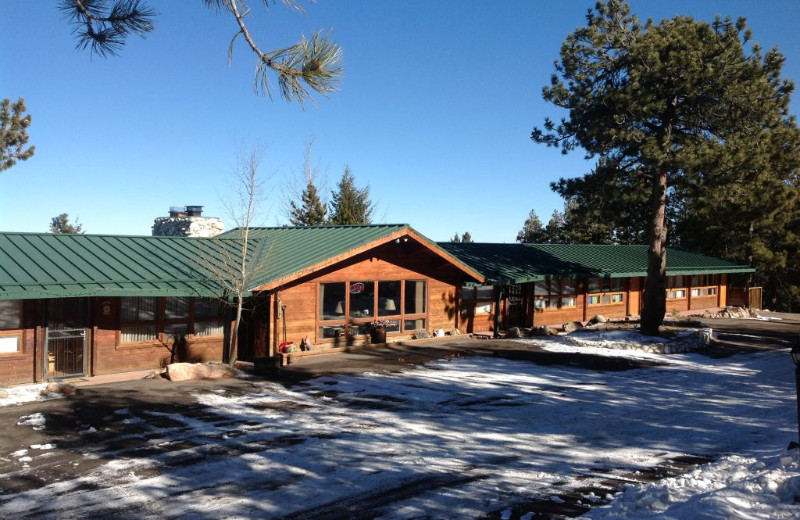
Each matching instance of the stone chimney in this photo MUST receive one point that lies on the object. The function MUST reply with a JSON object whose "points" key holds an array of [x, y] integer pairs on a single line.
{"points": [[187, 221]]}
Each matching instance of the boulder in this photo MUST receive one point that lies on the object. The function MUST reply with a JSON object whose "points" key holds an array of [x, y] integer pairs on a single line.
{"points": [[572, 326], [598, 319], [514, 332], [59, 388], [543, 330], [192, 371]]}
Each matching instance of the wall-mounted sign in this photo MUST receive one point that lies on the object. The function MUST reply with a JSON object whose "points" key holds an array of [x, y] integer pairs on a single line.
{"points": [[106, 308], [356, 288]]}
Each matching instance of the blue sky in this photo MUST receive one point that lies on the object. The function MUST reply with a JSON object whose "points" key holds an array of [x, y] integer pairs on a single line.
{"points": [[434, 113]]}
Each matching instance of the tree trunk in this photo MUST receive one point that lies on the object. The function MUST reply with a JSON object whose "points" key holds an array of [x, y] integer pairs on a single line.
{"points": [[235, 335], [655, 295]]}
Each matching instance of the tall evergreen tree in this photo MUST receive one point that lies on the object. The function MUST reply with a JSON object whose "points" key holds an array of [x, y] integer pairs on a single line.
{"points": [[661, 100], [456, 238], [532, 231], [311, 212], [14, 125], [350, 204], [466, 238]]}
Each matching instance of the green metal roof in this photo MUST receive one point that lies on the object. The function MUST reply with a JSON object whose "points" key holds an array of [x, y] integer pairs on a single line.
{"points": [[45, 265], [291, 250], [521, 263]]}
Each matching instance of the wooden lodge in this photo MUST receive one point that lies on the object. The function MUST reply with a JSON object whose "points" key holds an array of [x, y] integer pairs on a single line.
{"points": [[84, 305], [551, 284]]}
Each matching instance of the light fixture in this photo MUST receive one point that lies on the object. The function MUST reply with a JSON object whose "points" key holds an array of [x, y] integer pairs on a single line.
{"points": [[390, 306], [339, 309]]}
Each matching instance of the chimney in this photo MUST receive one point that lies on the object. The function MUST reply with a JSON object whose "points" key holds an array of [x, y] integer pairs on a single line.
{"points": [[194, 211], [187, 221], [177, 211]]}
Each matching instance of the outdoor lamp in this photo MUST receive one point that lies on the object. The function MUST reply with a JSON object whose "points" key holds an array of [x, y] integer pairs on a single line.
{"points": [[390, 306]]}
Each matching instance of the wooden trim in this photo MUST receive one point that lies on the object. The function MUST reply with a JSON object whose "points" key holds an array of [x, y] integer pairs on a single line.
{"points": [[403, 233]]}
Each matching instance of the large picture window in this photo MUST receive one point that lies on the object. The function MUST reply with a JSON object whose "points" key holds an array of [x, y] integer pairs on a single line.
{"points": [[349, 308]]}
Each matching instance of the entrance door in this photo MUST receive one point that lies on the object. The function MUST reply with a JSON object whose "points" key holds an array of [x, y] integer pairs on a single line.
{"points": [[66, 338]]}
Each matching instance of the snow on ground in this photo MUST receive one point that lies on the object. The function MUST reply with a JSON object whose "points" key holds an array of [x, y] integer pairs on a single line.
{"points": [[21, 394], [458, 439]]}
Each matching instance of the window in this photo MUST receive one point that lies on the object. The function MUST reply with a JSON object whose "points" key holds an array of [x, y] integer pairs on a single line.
{"points": [[149, 319], [704, 285], [606, 291], [362, 299], [10, 314], [677, 287], [389, 294], [208, 314], [10, 319], [415, 297], [348, 308], [331, 301], [138, 316], [556, 293], [476, 300]]}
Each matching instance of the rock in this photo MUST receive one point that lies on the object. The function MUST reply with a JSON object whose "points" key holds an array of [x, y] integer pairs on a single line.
{"points": [[514, 332], [572, 326], [3, 394], [691, 341], [420, 334], [60, 388], [192, 371], [598, 319], [543, 330], [455, 332]]}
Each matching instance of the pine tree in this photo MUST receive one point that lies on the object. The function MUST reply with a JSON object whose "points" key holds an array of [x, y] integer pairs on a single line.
{"points": [[532, 230], [102, 26], [14, 125], [349, 204], [456, 238], [466, 238], [662, 100], [312, 212]]}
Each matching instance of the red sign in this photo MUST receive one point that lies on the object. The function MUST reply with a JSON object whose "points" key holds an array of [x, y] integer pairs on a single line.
{"points": [[356, 288]]}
